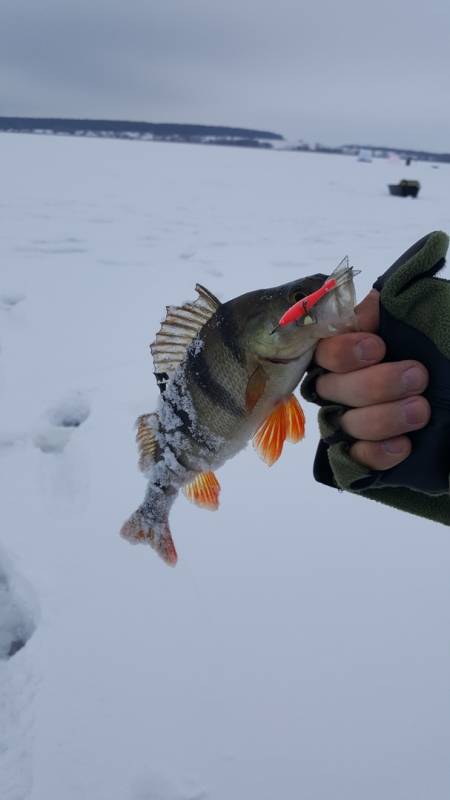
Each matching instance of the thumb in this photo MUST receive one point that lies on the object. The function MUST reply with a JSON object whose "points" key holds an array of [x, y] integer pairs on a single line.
{"points": [[368, 312]]}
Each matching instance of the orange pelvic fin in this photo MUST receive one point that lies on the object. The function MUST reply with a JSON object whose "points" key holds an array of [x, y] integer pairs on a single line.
{"points": [[136, 530], [204, 490], [295, 420], [287, 421], [269, 438]]}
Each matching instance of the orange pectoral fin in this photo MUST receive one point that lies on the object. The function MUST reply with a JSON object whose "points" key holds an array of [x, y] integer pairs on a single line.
{"points": [[287, 421], [255, 388], [204, 491], [295, 420]]}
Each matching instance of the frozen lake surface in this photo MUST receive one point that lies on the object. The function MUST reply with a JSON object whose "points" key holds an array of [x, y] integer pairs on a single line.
{"points": [[300, 649]]}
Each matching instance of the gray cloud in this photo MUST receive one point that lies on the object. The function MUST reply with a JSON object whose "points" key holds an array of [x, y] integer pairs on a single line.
{"points": [[335, 72]]}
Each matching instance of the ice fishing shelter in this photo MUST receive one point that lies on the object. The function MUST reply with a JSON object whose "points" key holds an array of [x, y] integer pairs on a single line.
{"points": [[405, 188]]}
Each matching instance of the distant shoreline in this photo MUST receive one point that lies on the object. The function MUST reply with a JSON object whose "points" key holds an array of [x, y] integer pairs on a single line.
{"points": [[196, 134]]}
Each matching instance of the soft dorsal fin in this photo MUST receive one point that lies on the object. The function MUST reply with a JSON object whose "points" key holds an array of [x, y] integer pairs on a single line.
{"points": [[178, 330], [146, 440]]}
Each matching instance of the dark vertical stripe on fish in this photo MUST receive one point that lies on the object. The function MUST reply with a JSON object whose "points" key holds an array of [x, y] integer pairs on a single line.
{"points": [[228, 328], [189, 428], [217, 393], [162, 379], [185, 420]]}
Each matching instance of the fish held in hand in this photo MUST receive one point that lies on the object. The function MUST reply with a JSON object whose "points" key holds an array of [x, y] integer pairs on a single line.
{"points": [[226, 374]]}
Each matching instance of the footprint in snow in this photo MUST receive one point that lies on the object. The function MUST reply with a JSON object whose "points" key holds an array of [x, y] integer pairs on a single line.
{"points": [[17, 610], [62, 420], [19, 616], [10, 299]]}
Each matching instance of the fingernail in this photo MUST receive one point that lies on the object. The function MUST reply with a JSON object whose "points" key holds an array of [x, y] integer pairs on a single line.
{"points": [[414, 411], [395, 447], [412, 379], [367, 349]]}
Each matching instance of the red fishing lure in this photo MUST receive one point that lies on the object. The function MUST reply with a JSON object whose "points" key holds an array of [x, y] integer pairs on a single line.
{"points": [[304, 306]]}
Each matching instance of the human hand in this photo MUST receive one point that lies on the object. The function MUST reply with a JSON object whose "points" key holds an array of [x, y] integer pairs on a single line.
{"points": [[385, 399]]}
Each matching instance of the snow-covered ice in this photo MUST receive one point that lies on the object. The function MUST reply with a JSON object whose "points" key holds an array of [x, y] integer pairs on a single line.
{"points": [[300, 649]]}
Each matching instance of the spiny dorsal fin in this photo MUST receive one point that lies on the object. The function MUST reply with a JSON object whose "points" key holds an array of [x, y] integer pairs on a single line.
{"points": [[146, 440], [179, 329], [208, 298]]}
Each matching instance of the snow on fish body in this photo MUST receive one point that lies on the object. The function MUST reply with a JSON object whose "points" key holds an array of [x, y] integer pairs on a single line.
{"points": [[226, 374]]}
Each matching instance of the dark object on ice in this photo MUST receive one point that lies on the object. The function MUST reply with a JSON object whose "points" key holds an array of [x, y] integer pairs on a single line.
{"points": [[408, 161], [405, 188]]}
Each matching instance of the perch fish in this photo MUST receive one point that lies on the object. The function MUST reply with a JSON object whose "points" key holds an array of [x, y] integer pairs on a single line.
{"points": [[226, 374]]}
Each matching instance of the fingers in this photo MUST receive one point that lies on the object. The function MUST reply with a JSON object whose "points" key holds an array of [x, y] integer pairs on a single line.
{"points": [[351, 351], [387, 420], [383, 397], [381, 383], [381, 455]]}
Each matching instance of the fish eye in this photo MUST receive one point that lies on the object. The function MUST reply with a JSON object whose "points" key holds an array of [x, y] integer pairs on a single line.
{"points": [[298, 295]]}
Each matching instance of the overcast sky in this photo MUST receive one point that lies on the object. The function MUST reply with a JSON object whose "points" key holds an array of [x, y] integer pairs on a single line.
{"points": [[323, 70]]}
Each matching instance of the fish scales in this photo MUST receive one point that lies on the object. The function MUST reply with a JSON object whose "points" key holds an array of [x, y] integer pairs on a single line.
{"points": [[217, 382]]}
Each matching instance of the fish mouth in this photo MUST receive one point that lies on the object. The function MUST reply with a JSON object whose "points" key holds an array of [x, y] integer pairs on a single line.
{"points": [[285, 360]]}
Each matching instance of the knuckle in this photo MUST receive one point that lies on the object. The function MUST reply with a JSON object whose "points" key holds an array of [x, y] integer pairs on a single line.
{"points": [[381, 455], [389, 381], [325, 386], [360, 423], [381, 425], [370, 386], [386, 420], [363, 453], [332, 353], [373, 423]]}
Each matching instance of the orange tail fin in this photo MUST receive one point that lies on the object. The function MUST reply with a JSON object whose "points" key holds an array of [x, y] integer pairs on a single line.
{"points": [[137, 530]]}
